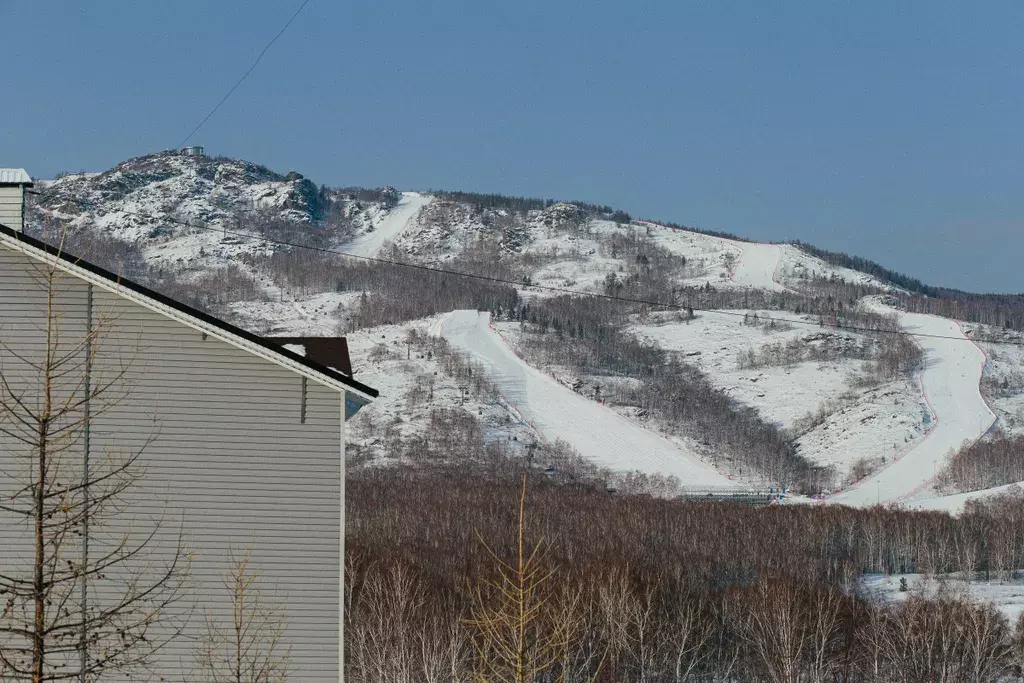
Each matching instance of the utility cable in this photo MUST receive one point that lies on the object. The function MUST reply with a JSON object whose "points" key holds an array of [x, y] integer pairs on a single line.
{"points": [[244, 76]]}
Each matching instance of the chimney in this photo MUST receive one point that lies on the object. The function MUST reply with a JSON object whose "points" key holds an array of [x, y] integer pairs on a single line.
{"points": [[331, 352], [13, 182]]}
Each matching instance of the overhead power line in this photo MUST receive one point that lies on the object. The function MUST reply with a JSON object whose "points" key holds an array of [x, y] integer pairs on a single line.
{"points": [[546, 288], [244, 76]]}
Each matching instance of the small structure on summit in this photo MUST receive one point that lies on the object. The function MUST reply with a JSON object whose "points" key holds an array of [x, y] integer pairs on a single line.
{"points": [[193, 151]]}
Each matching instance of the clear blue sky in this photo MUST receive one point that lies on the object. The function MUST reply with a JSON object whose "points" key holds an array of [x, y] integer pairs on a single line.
{"points": [[889, 130]]}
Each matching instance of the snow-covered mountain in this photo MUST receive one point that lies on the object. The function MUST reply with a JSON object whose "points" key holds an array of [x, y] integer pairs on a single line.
{"points": [[752, 333], [199, 188]]}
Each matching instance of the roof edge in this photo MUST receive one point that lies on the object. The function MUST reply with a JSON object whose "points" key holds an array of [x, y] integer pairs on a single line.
{"points": [[192, 317], [15, 177]]}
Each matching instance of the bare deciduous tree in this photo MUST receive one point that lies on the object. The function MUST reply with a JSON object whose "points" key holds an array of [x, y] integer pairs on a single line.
{"points": [[250, 648], [86, 587], [515, 642]]}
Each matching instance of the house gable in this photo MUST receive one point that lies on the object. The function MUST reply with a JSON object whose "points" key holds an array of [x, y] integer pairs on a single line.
{"points": [[360, 394], [242, 451]]}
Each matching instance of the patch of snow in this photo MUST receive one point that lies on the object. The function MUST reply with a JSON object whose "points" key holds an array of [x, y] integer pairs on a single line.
{"points": [[796, 264], [320, 315], [391, 227], [714, 257], [1003, 378], [1006, 596], [955, 503], [381, 359]]}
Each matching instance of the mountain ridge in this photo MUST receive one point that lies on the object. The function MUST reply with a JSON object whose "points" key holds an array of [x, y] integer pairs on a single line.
{"points": [[70, 196], [216, 233]]}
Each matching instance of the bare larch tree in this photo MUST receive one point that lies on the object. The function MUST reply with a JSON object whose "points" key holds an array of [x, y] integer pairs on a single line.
{"points": [[84, 584], [249, 646]]}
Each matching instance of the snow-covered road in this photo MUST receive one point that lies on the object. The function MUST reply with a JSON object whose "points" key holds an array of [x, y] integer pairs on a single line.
{"points": [[599, 434], [950, 383], [391, 227]]}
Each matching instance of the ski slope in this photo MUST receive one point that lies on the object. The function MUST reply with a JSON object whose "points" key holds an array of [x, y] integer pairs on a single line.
{"points": [[393, 225], [598, 433], [757, 266], [949, 382], [955, 503]]}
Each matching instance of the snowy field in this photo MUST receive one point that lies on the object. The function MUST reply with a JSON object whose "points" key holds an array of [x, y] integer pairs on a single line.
{"points": [[757, 267], [576, 262], [1003, 379], [955, 503], [713, 257], [601, 435], [320, 315], [1007, 596], [796, 264], [751, 264]]}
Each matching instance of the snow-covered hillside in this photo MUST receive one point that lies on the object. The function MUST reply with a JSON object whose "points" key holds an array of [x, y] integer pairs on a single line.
{"points": [[836, 419], [1003, 377], [598, 433], [131, 198], [391, 226], [222, 228], [193, 212], [949, 383]]}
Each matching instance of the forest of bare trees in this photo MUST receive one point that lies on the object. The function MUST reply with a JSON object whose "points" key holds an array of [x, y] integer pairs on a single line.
{"points": [[984, 464], [998, 310], [661, 590]]}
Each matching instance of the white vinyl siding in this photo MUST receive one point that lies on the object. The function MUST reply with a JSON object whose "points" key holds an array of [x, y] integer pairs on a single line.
{"points": [[11, 206], [230, 464]]}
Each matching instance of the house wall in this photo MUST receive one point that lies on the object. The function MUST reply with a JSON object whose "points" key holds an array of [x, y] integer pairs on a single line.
{"points": [[11, 199], [228, 464]]}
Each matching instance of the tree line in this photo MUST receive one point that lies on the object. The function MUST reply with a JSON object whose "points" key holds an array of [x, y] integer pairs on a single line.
{"points": [[1001, 310], [523, 205]]}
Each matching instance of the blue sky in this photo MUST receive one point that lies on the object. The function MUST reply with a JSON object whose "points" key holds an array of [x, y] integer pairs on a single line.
{"points": [[890, 130]]}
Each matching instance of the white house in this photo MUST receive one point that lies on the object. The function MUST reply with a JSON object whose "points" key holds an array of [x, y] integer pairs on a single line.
{"points": [[242, 439]]}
